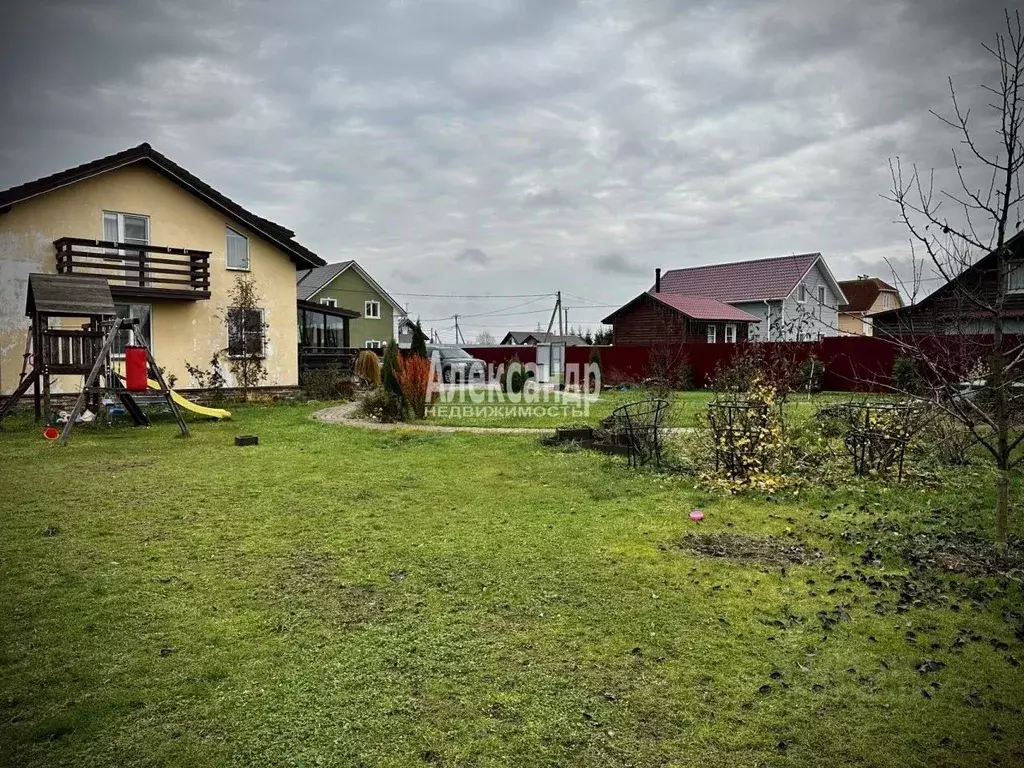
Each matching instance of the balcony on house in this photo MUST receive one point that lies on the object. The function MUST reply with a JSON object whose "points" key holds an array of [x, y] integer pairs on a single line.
{"points": [[138, 271]]}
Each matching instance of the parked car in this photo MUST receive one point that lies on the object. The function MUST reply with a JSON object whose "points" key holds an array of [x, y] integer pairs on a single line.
{"points": [[457, 364]]}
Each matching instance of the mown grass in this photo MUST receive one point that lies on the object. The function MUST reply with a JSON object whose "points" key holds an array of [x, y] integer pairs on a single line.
{"points": [[554, 409], [341, 597]]}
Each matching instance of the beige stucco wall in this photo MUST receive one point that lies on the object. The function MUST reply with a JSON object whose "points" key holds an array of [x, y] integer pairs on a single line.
{"points": [[851, 325], [879, 303], [182, 330]]}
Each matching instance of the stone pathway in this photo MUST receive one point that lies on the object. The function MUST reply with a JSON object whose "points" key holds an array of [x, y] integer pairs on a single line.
{"points": [[345, 414]]}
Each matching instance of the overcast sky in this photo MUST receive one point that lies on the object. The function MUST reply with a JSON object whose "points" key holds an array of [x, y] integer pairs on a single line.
{"points": [[511, 147]]}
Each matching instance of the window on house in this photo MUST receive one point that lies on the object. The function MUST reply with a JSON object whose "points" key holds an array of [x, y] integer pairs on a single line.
{"points": [[371, 309], [802, 294], [730, 334], [372, 344], [1015, 277], [888, 301], [712, 334], [821, 296], [237, 251], [130, 228], [246, 332], [329, 302], [141, 312]]}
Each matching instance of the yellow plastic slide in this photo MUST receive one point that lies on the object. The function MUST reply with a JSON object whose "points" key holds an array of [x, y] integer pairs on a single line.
{"points": [[188, 405]]}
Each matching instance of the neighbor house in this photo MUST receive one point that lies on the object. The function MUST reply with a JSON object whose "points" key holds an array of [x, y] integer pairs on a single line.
{"points": [[968, 303], [171, 248], [533, 338], [793, 298], [347, 285], [865, 297], [655, 318]]}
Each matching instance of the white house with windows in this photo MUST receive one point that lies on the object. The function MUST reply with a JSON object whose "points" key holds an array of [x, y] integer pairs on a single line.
{"points": [[793, 298]]}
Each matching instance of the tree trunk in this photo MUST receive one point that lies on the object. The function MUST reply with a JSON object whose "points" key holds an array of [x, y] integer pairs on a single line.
{"points": [[1002, 507]]}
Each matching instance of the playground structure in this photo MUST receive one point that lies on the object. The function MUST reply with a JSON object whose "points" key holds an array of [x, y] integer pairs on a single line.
{"points": [[53, 350]]}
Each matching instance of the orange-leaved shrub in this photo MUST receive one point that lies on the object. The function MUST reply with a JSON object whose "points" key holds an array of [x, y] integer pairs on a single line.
{"points": [[414, 374]]}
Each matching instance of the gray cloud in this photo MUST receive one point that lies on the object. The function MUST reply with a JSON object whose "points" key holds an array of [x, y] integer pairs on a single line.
{"points": [[474, 256], [617, 264], [535, 132]]}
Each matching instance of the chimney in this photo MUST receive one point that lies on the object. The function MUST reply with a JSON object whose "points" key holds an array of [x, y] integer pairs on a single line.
{"points": [[657, 280]]}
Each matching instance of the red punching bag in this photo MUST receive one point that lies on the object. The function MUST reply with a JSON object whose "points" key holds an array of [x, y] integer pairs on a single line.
{"points": [[136, 369]]}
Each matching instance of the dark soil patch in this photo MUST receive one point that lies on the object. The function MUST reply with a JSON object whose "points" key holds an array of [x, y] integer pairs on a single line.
{"points": [[962, 552], [759, 550]]}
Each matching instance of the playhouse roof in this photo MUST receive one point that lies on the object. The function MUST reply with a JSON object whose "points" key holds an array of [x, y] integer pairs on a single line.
{"points": [[69, 296]]}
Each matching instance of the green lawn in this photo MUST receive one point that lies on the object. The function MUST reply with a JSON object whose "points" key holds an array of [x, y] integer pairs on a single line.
{"points": [[344, 597], [557, 409]]}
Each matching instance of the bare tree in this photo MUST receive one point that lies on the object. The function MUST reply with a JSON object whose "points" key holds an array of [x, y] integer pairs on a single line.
{"points": [[966, 236], [247, 332], [485, 339]]}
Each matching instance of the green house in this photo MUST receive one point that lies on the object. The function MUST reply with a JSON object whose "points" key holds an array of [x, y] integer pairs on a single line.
{"points": [[373, 314]]}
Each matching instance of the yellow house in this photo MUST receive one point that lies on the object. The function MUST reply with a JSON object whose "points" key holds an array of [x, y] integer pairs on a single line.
{"points": [[865, 297], [171, 248]]}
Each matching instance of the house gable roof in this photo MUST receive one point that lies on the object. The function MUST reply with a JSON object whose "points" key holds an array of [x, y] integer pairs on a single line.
{"points": [[516, 337], [862, 293], [312, 281], [144, 153], [1016, 246], [755, 280], [537, 337], [695, 307]]}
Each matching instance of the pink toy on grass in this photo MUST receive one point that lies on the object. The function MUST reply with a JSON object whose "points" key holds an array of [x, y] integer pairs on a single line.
{"points": [[696, 515]]}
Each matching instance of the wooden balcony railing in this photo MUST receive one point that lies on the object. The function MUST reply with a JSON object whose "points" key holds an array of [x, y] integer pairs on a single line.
{"points": [[138, 271]]}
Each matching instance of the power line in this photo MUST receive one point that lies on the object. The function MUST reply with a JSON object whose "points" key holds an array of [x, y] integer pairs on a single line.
{"points": [[491, 312], [477, 295]]}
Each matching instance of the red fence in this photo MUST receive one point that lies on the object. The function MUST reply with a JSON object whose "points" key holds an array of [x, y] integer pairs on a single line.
{"points": [[852, 363]]}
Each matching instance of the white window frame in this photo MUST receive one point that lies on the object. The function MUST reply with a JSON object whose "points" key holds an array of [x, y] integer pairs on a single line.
{"points": [[329, 302], [712, 333], [371, 309], [131, 314], [263, 333], [1015, 269], [228, 232], [373, 344], [801, 294], [730, 327], [128, 277], [821, 296]]}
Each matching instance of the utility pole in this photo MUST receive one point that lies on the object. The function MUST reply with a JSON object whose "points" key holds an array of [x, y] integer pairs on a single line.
{"points": [[556, 309], [561, 332], [458, 333]]}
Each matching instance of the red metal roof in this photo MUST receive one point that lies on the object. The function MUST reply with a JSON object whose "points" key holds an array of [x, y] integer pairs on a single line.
{"points": [[696, 307], [700, 308], [741, 280]]}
